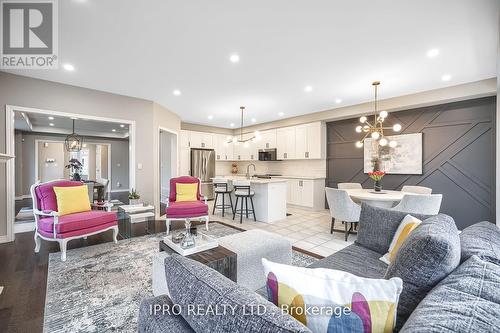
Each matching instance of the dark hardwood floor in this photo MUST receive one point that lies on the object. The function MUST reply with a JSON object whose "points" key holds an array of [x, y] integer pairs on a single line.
{"points": [[23, 274]]}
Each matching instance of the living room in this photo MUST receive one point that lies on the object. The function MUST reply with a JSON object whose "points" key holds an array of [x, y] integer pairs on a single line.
{"points": [[262, 160]]}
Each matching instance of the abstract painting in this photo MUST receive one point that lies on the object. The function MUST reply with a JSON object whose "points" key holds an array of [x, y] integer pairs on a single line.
{"points": [[404, 159]]}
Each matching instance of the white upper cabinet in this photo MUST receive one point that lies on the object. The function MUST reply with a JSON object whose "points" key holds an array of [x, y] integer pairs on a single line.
{"points": [[200, 139], [268, 140], [308, 141], [285, 143], [223, 149], [185, 138]]}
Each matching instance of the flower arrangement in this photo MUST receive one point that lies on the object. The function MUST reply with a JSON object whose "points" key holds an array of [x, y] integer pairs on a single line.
{"points": [[76, 167], [134, 197], [376, 175]]}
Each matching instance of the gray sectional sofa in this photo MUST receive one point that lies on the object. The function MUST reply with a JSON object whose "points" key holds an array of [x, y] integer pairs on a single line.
{"points": [[451, 282]]}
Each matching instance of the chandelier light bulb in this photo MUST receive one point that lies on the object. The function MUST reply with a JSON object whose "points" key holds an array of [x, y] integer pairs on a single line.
{"points": [[375, 135], [396, 128], [363, 120], [383, 114], [359, 144], [366, 128], [393, 144], [383, 142], [359, 129]]}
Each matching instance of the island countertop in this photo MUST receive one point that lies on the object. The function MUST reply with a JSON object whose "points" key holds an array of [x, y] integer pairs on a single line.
{"points": [[254, 180]]}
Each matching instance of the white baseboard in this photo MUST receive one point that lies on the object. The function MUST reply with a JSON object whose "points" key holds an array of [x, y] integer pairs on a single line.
{"points": [[24, 227], [4, 239], [22, 197]]}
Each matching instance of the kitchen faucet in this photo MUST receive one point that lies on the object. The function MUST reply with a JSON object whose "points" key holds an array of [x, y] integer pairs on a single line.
{"points": [[248, 170]]}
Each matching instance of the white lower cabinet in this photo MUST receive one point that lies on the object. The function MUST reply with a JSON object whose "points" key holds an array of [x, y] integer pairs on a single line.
{"points": [[185, 162], [309, 193]]}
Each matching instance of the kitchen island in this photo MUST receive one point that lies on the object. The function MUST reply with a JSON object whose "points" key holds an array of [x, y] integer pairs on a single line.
{"points": [[269, 199]]}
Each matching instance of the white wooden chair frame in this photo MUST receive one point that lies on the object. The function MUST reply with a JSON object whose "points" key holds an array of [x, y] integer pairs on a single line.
{"points": [[200, 218]]}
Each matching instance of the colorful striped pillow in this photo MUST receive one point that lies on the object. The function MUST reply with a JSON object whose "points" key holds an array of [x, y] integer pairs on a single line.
{"points": [[407, 225]]}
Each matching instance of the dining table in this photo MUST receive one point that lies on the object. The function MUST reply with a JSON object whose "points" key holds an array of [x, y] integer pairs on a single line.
{"points": [[382, 199]]}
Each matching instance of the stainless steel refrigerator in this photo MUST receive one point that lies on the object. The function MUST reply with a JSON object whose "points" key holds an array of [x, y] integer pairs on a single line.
{"points": [[203, 167]]}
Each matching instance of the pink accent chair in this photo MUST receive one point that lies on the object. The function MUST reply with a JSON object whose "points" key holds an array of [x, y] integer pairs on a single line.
{"points": [[54, 228], [185, 210]]}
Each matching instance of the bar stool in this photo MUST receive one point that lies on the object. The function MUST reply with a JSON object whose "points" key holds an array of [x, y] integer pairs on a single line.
{"points": [[243, 192], [221, 186]]}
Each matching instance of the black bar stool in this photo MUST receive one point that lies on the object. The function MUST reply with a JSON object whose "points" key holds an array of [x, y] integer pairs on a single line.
{"points": [[221, 186], [243, 192]]}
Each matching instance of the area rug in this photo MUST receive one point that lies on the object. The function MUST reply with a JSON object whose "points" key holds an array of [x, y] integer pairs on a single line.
{"points": [[99, 288]]}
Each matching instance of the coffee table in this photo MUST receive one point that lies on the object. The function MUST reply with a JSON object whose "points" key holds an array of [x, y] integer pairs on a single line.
{"points": [[220, 259]]}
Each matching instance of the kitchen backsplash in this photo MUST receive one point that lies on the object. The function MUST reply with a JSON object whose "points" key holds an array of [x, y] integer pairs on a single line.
{"points": [[315, 168]]}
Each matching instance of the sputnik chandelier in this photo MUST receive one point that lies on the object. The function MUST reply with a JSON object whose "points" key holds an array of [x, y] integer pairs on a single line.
{"points": [[236, 140], [376, 129]]}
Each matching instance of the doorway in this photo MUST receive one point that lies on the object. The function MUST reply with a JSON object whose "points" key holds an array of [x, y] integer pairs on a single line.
{"points": [[167, 164]]}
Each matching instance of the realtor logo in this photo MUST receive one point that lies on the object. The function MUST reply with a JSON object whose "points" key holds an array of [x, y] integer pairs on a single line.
{"points": [[28, 34]]}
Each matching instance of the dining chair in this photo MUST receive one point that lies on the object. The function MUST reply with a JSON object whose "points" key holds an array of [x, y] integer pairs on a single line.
{"points": [[416, 189], [427, 204], [342, 208], [349, 186]]}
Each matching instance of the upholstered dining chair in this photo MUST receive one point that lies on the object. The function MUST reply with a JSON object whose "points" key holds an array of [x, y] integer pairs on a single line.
{"points": [[185, 210], [342, 208], [416, 189], [349, 186], [427, 204], [52, 227]]}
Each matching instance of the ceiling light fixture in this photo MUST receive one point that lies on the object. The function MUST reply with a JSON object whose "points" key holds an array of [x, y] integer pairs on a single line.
{"points": [[176, 92], [338, 101], [433, 53], [446, 77], [232, 124], [51, 124], [281, 114], [69, 67], [308, 88], [376, 130], [256, 135], [253, 120], [73, 142], [113, 130], [210, 117], [234, 58], [51, 118], [122, 126]]}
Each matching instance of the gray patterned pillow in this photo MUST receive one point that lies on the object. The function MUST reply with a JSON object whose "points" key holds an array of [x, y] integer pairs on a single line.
{"points": [[429, 254], [193, 285], [482, 239]]}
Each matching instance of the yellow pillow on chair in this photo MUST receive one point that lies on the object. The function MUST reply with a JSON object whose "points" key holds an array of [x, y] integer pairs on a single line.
{"points": [[72, 199], [186, 192]]}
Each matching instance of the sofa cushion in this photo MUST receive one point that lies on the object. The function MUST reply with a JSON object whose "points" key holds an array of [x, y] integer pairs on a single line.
{"points": [[187, 209], [77, 221], [429, 254], [158, 315], [482, 239], [46, 197], [192, 284], [356, 260], [377, 227], [466, 301]]}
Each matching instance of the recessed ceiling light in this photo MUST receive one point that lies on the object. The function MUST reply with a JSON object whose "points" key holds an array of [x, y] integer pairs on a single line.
{"points": [[232, 124], [254, 120], [338, 101], [113, 130], [234, 58], [446, 77], [210, 117], [176, 92], [69, 67], [51, 118], [308, 88], [281, 114], [51, 124], [432, 53], [122, 126]]}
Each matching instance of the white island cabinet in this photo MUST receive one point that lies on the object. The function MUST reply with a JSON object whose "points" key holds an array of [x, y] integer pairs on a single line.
{"points": [[269, 199]]}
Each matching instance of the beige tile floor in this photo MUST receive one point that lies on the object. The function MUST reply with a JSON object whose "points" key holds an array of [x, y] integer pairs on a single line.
{"points": [[306, 229]]}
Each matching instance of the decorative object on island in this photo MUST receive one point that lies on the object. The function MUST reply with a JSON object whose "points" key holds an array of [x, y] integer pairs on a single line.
{"points": [[376, 129], [188, 240], [73, 142], [377, 177], [236, 140], [234, 168], [76, 167], [134, 197]]}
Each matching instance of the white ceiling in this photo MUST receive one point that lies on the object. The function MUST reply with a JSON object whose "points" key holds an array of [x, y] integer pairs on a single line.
{"points": [[38, 122], [149, 48]]}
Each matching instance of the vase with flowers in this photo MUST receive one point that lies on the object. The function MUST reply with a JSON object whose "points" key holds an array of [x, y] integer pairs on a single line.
{"points": [[377, 176]]}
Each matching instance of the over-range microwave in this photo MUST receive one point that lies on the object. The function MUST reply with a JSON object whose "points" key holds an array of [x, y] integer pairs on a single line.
{"points": [[268, 154]]}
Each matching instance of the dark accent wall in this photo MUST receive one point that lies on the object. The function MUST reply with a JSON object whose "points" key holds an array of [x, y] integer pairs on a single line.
{"points": [[458, 156]]}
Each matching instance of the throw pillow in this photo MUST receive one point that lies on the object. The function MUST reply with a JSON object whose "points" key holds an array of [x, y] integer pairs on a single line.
{"points": [[72, 199], [327, 300], [407, 225], [186, 192], [482, 239], [429, 254]]}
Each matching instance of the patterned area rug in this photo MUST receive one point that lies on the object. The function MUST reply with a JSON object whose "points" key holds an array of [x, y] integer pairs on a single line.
{"points": [[99, 288]]}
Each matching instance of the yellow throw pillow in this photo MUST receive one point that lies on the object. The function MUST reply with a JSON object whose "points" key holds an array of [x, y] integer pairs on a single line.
{"points": [[186, 192], [72, 199], [408, 224]]}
